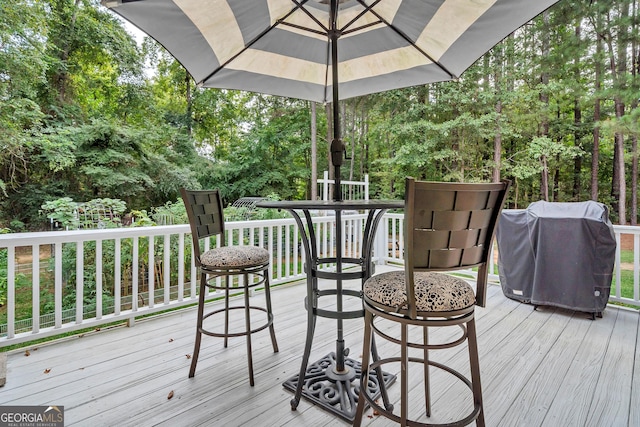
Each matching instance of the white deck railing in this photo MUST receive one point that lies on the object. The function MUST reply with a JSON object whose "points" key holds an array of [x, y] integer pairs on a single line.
{"points": [[121, 268]]}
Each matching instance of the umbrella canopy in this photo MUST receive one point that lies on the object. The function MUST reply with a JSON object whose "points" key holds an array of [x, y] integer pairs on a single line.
{"points": [[326, 50]]}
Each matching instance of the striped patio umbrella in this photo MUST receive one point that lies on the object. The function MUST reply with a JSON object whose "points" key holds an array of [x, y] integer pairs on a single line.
{"points": [[326, 50]]}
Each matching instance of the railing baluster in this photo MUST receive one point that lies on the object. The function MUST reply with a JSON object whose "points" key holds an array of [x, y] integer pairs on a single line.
{"points": [[636, 270], [287, 251], [79, 281], [117, 277], [181, 267], [332, 236], [166, 269], [57, 293], [135, 270], [618, 268], [269, 247], [297, 255], [11, 291], [279, 251], [35, 288], [151, 273], [99, 279]]}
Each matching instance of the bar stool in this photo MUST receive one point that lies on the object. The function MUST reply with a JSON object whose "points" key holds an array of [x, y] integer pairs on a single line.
{"points": [[448, 226], [205, 212]]}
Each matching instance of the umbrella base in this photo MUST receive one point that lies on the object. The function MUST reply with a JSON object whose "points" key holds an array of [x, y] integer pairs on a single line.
{"points": [[336, 392]]}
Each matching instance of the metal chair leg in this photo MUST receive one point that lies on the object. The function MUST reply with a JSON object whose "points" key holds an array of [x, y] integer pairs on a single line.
{"points": [[311, 326], [364, 375], [196, 347], [404, 377], [267, 292], [247, 320], [226, 311], [380, 374], [427, 385], [474, 361]]}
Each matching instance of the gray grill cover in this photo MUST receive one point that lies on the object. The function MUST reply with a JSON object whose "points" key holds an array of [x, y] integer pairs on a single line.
{"points": [[558, 254]]}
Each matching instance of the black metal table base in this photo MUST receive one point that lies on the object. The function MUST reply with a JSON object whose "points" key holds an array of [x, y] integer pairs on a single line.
{"points": [[336, 392]]}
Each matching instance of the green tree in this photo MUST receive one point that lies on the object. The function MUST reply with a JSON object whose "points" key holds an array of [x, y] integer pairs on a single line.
{"points": [[22, 65]]}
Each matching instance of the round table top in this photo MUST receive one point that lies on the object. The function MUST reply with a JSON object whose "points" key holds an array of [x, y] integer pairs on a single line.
{"points": [[331, 204]]}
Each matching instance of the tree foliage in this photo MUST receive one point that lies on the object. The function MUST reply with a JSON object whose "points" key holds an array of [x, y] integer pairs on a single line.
{"points": [[87, 111]]}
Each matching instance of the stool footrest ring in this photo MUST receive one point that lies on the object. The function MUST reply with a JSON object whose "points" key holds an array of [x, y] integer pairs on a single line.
{"points": [[237, 334], [371, 400]]}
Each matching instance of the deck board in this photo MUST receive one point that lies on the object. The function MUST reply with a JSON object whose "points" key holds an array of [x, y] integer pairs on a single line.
{"points": [[530, 405], [634, 411], [611, 402], [578, 388], [545, 367]]}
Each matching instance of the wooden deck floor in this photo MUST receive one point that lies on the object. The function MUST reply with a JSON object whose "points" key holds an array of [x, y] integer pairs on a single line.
{"points": [[548, 367]]}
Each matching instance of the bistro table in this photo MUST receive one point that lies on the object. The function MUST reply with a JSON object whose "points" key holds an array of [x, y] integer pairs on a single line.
{"points": [[329, 382]]}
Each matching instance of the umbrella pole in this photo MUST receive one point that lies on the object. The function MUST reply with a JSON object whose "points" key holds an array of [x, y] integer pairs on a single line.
{"points": [[337, 150], [337, 146]]}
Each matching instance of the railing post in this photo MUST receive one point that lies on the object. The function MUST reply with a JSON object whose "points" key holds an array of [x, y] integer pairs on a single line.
{"points": [[325, 186], [380, 242], [366, 186]]}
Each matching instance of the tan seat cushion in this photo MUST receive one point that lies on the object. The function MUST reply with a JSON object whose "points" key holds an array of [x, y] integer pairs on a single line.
{"points": [[435, 292], [235, 257]]}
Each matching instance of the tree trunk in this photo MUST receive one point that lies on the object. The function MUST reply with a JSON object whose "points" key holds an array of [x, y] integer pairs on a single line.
{"points": [[329, 112], [497, 145], [364, 130], [635, 63], [314, 152], [577, 161], [189, 118], [63, 46], [634, 180], [619, 177], [352, 130], [556, 181], [619, 77], [595, 155], [618, 67], [577, 120], [497, 139], [544, 100], [544, 179]]}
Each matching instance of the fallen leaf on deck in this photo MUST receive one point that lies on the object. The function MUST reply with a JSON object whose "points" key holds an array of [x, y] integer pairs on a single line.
{"points": [[170, 395], [188, 356], [26, 353], [375, 411], [46, 371], [170, 339]]}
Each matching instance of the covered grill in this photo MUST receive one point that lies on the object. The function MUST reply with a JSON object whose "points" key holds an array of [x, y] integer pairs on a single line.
{"points": [[557, 254]]}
